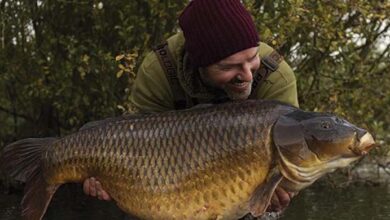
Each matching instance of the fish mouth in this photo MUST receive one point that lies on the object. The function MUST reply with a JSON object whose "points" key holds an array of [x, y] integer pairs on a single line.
{"points": [[366, 144]]}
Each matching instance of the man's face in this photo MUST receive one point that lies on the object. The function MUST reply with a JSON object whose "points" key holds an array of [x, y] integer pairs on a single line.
{"points": [[234, 74]]}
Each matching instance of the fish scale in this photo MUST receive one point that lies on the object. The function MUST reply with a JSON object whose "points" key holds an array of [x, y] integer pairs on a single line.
{"points": [[207, 154], [213, 162]]}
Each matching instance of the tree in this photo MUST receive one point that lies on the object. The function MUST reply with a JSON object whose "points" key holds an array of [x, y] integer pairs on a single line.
{"points": [[66, 62], [340, 53]]}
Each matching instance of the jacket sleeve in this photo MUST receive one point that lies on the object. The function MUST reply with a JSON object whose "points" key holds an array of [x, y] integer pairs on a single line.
{"points": [[151, 91], [280, 85]]}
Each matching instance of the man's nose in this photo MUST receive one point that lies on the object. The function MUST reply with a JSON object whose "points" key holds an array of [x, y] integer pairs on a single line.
{"points": [[246, 74]]}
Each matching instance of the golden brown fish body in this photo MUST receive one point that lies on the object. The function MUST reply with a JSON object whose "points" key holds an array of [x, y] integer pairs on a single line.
{"points": [[217, 162], [199, 164]]}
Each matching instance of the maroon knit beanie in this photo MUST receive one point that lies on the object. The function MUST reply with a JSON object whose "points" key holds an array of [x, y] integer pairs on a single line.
{"points": [[216, 29]]}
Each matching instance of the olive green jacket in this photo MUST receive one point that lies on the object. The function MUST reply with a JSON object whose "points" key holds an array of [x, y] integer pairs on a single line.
{"points": [[151, 91]]}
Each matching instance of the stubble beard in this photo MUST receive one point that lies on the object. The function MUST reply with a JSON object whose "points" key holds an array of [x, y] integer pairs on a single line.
{"points": [[233, 95]]}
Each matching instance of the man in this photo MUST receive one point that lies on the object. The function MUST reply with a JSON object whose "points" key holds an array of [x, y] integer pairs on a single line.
{"points": [[217, 58]]}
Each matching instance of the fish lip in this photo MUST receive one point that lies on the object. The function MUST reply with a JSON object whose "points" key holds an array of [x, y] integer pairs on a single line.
{"points": [[367, 142]]}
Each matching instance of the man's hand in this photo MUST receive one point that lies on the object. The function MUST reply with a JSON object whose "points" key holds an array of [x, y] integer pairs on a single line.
{"points": [[280, 200], [92, 187]]}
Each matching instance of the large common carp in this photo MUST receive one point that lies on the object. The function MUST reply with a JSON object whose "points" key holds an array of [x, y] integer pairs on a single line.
{"points": [[211, 162]]}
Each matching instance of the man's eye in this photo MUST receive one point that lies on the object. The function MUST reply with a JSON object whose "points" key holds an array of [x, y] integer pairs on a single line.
{"points": [[226, 68]]}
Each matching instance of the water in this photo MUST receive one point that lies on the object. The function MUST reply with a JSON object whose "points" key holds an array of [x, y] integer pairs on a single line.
{"points": [[315, 203], [353, 202]]}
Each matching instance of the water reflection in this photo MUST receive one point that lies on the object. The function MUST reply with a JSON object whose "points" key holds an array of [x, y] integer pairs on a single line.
{"points": [[353, 202], [315, 203]]}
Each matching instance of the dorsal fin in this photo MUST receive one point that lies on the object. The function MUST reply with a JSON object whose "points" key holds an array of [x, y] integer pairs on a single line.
{"points": [[102, 122], [203, 105], [93, 124]]}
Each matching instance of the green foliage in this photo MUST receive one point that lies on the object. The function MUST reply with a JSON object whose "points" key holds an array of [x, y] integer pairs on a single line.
{"points": [[340, 51], [59, 60], [66, 62]]}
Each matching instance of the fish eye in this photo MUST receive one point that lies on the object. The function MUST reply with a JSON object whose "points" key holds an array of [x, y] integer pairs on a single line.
{"points": [[326, 124]]}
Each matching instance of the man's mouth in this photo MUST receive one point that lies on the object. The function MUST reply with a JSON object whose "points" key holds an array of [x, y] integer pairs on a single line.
{"points": [[239, 86]]}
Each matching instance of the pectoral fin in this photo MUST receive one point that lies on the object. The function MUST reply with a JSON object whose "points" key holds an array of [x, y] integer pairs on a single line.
{"points": [[262, 195]]}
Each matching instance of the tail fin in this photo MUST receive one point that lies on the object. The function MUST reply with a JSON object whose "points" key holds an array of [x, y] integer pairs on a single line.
{"points": [[22, 161]]}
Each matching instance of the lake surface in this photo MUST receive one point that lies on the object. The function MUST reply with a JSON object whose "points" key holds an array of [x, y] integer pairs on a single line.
{"points": [[353, 202], [315, 203]]}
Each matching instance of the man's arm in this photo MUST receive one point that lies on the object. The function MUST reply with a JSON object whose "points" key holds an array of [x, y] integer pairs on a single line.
{"points": [[280, 85], [151, 91]]}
